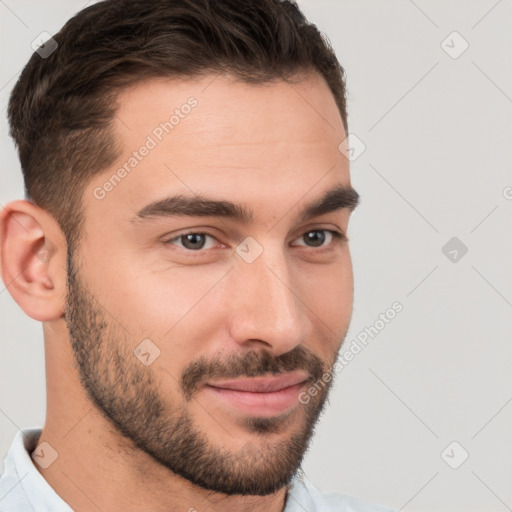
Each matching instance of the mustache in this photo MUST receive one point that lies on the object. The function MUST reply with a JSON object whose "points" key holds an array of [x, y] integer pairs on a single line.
{"points": [[251, 364]]}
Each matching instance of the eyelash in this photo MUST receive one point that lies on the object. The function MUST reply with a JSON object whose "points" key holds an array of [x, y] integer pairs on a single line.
{"points": [[338, 238]]}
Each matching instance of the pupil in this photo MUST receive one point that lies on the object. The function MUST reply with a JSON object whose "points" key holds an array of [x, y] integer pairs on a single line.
{"points": [[194, 238], [317, 240]]}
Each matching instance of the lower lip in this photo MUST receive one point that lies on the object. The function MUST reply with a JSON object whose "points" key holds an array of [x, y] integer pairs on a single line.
{"points": [[259, 404]]}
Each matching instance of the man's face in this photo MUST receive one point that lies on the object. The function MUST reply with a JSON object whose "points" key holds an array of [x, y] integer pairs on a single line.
{"points": [[162, 324]]}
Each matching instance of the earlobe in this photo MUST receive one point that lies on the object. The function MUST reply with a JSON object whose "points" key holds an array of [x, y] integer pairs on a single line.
{"points": [[32, 260]]}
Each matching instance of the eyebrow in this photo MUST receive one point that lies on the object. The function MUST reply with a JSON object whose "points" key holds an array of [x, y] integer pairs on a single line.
{"points": [[342, 196]]}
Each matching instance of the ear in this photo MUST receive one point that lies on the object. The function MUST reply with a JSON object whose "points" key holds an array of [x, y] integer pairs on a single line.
{"points": [[33, 253]]}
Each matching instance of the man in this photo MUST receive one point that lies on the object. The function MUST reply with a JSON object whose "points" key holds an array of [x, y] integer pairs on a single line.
{"points": [[184, 243]]}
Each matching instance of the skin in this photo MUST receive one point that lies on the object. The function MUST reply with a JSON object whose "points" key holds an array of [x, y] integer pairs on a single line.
{"points": [[115, 422]]}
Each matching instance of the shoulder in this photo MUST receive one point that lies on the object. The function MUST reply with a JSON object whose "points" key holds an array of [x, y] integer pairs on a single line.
{"points": [[345, 503], [304, 495], [12, 480]]}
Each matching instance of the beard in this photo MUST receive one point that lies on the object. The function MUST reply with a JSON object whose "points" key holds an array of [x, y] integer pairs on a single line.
{"points": [[128, 395]]}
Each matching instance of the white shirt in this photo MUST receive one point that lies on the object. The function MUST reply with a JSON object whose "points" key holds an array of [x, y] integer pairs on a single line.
{"points": [[24, 489]]}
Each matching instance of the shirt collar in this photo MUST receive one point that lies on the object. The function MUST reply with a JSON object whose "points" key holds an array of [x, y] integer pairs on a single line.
{"points": [[24, 479]]}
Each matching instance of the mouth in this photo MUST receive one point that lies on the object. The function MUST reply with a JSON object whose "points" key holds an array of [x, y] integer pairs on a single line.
{"points": [[259, 396]]}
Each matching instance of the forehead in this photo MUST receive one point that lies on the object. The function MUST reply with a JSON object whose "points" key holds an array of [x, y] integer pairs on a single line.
{"points": [[218, 136], [229, 111]]}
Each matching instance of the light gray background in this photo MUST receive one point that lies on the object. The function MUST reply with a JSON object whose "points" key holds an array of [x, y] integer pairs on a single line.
{"points": [[438, 156]]}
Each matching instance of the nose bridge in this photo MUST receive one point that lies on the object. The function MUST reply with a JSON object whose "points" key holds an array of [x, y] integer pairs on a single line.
{"points": [[267, 307]]}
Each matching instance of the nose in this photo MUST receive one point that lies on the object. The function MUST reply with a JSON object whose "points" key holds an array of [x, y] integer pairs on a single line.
{"points": [[267, 308]]}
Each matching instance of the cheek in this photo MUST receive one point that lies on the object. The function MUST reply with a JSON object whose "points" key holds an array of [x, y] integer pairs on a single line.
{"points": [[173, 306], [330, 288], [328, 294]]}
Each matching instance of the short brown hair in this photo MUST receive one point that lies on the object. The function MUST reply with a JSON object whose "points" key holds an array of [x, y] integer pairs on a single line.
{"points": [[61, 108]]}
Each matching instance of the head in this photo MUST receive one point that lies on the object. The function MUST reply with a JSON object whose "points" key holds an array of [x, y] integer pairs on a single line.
{"points": [[182, 175]]}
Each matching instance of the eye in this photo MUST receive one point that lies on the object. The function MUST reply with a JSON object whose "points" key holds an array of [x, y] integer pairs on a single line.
{"points": [[317, 237], [195, 241]]}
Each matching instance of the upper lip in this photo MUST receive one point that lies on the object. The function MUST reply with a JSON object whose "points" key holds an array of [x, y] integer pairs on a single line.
{"points": [[261, 384]]}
